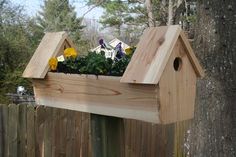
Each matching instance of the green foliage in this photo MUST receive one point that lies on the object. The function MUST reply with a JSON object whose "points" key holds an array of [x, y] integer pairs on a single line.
{"points": [[59, 15], [19, 37], [119, 13], [95, 63], [119, 66], [127, 18], [115, 14]]}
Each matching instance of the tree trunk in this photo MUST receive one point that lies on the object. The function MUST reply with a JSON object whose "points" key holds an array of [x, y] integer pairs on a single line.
{"points": [[151, 21], [214, 127], [170, 13]]}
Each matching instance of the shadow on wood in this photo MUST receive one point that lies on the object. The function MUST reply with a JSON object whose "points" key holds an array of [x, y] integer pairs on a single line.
{"points": [[107, 136]]}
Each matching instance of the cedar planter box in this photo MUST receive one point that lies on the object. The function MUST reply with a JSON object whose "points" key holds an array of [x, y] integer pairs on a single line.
{"points": [[158, 86]]}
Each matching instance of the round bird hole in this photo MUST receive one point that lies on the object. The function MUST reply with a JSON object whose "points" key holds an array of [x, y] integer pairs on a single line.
{"points": [[177, 63]]}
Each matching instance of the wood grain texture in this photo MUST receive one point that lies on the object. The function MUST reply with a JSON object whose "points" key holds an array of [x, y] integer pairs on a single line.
{"points": [[85, 135], [22, 131], [39, 130], [103, 95], [47, 139], [13, 114], [141, 139], [153, 52], [153, 140], [30, 131], [51, 45], [1, 132], [193, 59], [177, 88], [5, 130], [107, 136], [151, 55]]}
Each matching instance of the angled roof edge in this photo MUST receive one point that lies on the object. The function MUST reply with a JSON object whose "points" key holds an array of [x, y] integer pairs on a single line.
{"points": [[49, 47], [157, 43], [192, 57], [160, 65], [154, 67]]}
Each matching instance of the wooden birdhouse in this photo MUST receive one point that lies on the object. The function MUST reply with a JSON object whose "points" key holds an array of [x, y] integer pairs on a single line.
{"points": [[158, 86]]}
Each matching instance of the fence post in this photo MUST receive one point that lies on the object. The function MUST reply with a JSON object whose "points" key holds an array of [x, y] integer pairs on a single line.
{"points": [[107, 136]]}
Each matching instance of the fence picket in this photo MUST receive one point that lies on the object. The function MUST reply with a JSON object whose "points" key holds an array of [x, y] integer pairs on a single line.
{"points": [[12, 129], [48, 133], [70, 135], [5, 130], [62, 120], [39, 130], [1, 131], [22, 130], [30, 121], [85, 142]]}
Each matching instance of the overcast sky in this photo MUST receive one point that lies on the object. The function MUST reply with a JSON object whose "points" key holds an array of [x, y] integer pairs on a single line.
{"points": [[33, 6]]}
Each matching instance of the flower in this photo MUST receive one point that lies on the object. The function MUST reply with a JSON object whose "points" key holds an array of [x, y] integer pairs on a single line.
{"points": [[102, 44], [70, 52], [119, 51], [128, 51], [53, 63]]}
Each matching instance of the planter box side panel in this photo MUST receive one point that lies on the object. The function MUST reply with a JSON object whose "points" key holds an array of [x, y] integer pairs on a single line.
{"points": [[103, 95]]}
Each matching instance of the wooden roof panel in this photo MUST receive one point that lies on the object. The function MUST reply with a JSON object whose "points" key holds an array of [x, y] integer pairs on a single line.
{"points": [[153, 52], [193, 59], [151, 55], [48, 47]]}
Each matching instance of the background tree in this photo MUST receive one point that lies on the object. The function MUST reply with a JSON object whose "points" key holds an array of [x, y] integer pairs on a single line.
{"points": [[131, 17], [91, 32], [19, 36], [115, 14], [59, 15], [214, 126], [127, 18]]}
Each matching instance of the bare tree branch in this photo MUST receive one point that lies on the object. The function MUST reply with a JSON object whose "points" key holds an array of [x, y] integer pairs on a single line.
{"points": [[96, 5]]}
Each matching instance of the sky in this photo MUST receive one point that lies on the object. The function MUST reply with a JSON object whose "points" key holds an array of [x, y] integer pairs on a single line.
{"points": [[33, 6]]}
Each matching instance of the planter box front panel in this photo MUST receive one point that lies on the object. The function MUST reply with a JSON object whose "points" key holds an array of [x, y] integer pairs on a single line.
{"points": [[100, 95]]}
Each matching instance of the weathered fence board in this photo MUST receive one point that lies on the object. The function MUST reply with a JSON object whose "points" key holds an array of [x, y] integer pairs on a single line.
{"points": [[12, 130], [85, 137], [5, 130], [38, 131], [30, 115], [70, 146], [22, 131], [48, 133], [1, 132]]}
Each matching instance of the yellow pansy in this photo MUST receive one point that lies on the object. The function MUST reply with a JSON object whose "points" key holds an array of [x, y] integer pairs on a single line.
{"points": [[70, 52], [53, 63], [128, 51]]}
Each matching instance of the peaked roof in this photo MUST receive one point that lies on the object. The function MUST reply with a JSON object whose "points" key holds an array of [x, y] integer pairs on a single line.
{"points": [[50, 46], [112, 43], [116, 41], [153, 52]]}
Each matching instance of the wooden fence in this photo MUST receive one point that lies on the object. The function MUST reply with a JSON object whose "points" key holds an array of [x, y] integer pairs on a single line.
{"points": [[37, 131], [30, 131]]}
